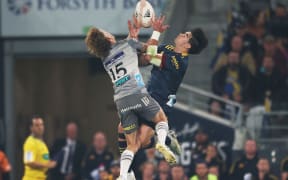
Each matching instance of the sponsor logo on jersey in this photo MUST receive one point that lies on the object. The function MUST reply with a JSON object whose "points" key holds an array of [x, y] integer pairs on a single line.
{"points": [[122, 81], [139, 80], [132, 126], [115, 58], [137, 106], [145, 100], [175, 62], [45, 156]]}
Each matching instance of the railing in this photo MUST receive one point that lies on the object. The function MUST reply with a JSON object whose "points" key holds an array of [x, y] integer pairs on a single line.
{"points": [[268, 127], [198, 98]]}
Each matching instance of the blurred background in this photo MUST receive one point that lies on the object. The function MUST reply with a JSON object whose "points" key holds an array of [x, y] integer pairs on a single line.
{"points": [[45, 69]]}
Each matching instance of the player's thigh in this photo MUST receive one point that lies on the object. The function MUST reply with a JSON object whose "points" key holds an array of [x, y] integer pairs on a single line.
{"points": [[160, 117], [128, 118]]}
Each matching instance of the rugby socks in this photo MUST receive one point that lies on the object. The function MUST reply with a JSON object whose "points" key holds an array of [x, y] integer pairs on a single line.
{"points": [[122, 145], [126, 160], [162, 131]]}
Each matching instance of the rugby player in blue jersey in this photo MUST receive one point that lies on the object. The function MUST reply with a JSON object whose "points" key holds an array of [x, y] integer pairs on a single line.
{"points": [[170, 63]]}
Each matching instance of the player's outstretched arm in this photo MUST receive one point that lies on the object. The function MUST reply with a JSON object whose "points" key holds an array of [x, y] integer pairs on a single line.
{"points": [[158, 28], [134, 28], [151, 56]]}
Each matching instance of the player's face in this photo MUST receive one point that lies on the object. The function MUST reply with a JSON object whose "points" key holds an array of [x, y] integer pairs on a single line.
{"points": [[183, 39], [37, 127], [109, 36]]}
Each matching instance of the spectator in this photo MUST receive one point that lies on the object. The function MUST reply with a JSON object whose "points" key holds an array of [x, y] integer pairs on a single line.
{"points": [[36, 154], [281, 10], [232, 81], [281, 57], [199, 147], [278, 25], [115, 169], [284, 169], [268, 80], [215, 171], [202, 172], [69, 153], [277, 51], [148, 170], [246, 165], [103, 174], [198, 150], [255, 30], [5, 166], [98, 156], [216, 108], [143, 155], [177, 173], [246, 58], [264, 173], [163, 170], [213, 160]]}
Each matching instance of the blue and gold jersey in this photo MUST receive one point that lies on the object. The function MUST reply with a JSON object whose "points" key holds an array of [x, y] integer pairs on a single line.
{"points": [[166, 79]]}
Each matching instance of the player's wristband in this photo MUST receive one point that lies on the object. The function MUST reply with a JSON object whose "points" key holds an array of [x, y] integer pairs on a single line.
{"points": [[155, 35], [152, 50], [156, 61]]}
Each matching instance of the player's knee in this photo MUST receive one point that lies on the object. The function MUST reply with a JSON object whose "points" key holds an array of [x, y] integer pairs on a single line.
{"points": [[134, 147], [160, 116]]}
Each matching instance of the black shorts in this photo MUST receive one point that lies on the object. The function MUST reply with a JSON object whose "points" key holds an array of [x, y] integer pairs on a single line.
{"points": [[133, 107]]}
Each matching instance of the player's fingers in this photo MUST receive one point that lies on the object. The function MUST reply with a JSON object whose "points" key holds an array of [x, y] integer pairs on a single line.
{"points": [[162, 18], [129, 25], [165, 27], [136, 23]]}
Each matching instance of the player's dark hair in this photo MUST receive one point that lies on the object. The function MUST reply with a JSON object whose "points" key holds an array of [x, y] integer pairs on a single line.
{"points": [[97, 44], [198, 41], [35, 116]]}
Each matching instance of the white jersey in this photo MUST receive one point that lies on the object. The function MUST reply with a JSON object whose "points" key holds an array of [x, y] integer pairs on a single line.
{"points": [[122, 67]]}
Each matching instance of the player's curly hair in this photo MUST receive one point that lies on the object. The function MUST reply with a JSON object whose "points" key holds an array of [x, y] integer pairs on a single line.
{"points": [[198, 41], [97, 44]]}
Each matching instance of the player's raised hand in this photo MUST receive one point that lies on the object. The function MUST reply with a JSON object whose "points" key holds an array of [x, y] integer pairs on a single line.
{"points": [[134, 28], [158, 24]]}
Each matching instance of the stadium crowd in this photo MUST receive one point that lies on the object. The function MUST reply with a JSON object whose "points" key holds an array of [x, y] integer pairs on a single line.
{"points": [[251, 63], [75, 161]]}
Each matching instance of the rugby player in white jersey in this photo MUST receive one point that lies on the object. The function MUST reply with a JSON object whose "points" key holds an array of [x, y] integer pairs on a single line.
{"points": [[120, 60]]}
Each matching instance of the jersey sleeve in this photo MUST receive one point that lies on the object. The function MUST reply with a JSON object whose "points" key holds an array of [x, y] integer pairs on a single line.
{"points": [[29, 152], [161, 48], [170, 60], [135, 44]]}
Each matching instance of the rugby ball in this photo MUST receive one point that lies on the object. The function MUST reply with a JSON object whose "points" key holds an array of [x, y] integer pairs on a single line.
{"points": [[144, 13]]}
